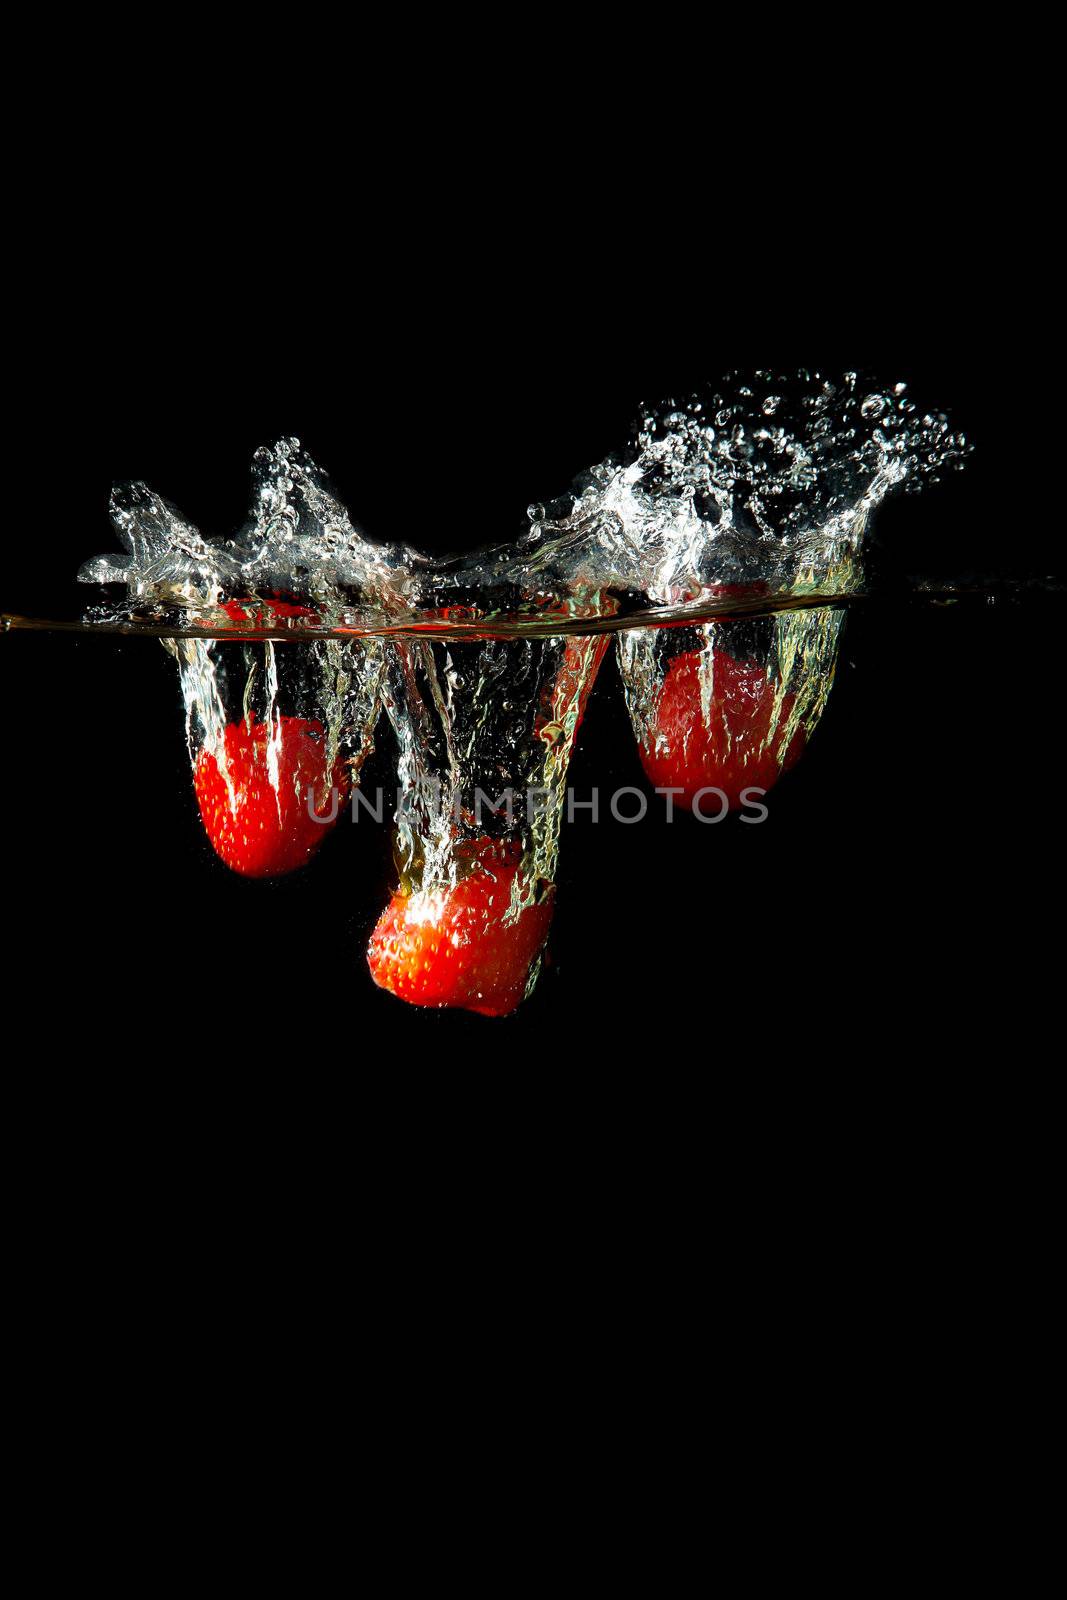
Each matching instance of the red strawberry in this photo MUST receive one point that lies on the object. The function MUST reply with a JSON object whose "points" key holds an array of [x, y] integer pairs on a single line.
{"points": [[455, 946], [263, 613], [735, 747], [261, 831]]}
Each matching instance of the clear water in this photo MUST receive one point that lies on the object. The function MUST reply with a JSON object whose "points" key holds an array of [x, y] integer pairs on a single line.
{"points": [[721, 546]]}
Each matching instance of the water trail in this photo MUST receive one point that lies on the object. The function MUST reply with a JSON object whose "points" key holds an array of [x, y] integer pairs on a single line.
{"points": [[757, 495], [289, 561], [768, 483]]}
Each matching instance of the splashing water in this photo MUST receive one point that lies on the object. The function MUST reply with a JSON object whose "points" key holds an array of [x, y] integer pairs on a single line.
{"points": [[335, 684], [769, 482], [762, 490], [485, 734], [767, 485], [299, 538]]}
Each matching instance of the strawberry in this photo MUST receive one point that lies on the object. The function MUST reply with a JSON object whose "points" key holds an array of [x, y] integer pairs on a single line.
{"points": [[262, 612], [458, 946], [258, 831], [733, 747]]}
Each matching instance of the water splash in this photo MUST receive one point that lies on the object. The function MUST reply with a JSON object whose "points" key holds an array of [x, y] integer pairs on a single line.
{"points": [[297, 551], [767, 483], [754, 494], [727, 707], [770, 481], [298, 541], [485, 734]]}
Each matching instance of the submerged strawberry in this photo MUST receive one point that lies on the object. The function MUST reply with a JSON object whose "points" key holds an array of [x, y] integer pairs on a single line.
{"points": [[733, 743], [257, 829], [461, 946], [264, 612]]}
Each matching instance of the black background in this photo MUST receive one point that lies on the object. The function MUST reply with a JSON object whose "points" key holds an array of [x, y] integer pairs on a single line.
{"points": [[891, 895], [452, 347], [779, 1100], [893, 902]]}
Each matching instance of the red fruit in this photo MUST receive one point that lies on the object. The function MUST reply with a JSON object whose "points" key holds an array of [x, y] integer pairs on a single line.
{"points": [[263, 613], [260, 831], [456, 946], [734, 747]]}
